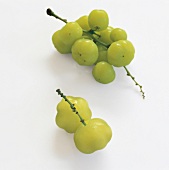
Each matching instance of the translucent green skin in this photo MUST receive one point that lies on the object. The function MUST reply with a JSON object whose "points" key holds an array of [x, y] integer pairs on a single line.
{"points": [[92, 137], [102, 53], [105, 35], [118, 34], [101, 47], [83, 22], [120, 53], [59, 44], [70, 33], [102, 56], [103, 72], [64, 39], [85, 52], [98, 20], [69, 120]]}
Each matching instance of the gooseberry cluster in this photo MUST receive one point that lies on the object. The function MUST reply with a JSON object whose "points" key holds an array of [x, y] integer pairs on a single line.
{"points": [[93, 42], [90, 134]]}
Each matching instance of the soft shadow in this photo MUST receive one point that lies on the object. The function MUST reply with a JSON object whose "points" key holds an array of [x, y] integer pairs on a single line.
{"points": [[67, 73], [93, 161], [63, 147], [58, 64], [62, 144]]}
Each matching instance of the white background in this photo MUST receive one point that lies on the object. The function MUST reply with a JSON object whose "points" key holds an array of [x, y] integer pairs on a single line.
{"points": [[31, 70]]}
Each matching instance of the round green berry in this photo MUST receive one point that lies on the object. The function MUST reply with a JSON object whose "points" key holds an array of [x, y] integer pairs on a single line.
{"points": [[103, 72]]}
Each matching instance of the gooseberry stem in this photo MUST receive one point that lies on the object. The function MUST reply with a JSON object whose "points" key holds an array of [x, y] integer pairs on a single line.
{"points": [[71, 105], [51, 13], [93, 32], [136, 83], [90, 33]]}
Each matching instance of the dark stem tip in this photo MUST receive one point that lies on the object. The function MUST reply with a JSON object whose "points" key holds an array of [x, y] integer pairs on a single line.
{"points": [[58, 90], [49, 11]]}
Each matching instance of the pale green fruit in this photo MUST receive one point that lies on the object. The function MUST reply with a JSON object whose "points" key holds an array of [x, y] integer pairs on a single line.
{"points": [[64, 38], [59, 44], [98, 20], [103, 72], [69, 120], [70, 33], [92, 137], [102, 53], [105, 35], [85, 52], [83, 22], [120, 53], [102, 56], [118, 34]]}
